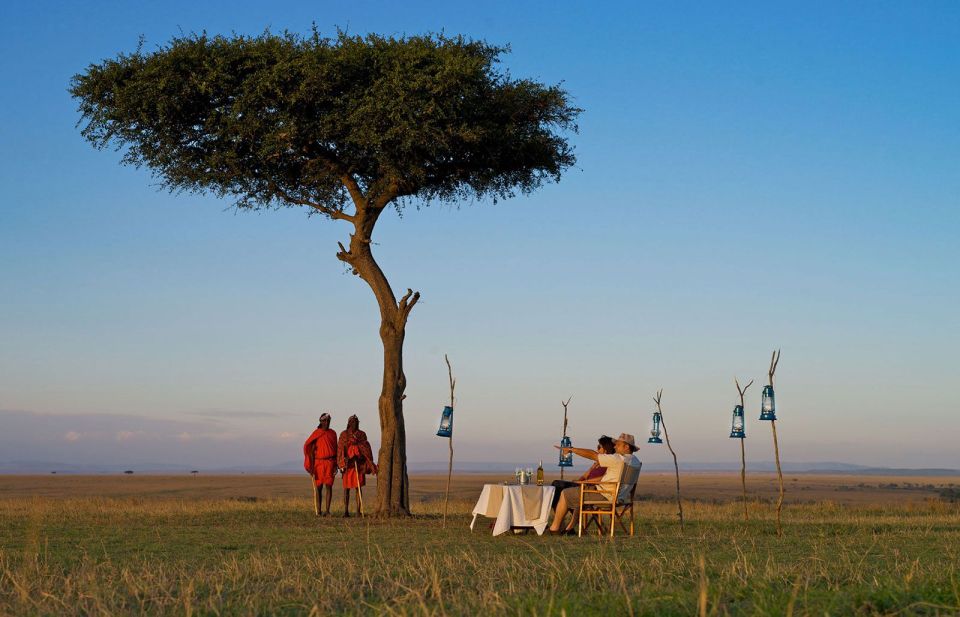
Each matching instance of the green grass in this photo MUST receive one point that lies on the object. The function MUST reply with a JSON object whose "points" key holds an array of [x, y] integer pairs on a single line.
{"points": [[133, 556]]}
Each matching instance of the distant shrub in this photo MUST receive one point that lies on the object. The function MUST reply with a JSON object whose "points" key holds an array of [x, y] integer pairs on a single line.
{"points": [[950, 494]]}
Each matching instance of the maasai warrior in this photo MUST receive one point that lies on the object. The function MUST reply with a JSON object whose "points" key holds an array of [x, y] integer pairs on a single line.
{"points": [[355, 459], [320, 460]]}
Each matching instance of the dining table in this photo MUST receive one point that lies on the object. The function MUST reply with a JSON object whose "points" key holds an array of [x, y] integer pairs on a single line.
{"points": [[514, 506]]}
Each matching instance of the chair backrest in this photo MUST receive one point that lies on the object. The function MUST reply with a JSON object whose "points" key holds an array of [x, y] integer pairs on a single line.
{"points": [[629, 478]]}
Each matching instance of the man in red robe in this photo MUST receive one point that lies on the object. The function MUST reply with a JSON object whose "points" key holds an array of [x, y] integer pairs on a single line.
{"points": [[355, 459], [320, 460]]}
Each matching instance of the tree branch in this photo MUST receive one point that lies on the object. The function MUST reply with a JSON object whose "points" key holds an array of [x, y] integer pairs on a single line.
{"points": [[407, 302], [346, 257], [331, 212], [354, 189]]}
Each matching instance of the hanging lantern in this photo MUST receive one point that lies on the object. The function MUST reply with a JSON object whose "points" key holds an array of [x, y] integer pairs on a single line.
{"points": [[736, 426], [446, 423], [566, 459], [768, 409], [655, 430]]}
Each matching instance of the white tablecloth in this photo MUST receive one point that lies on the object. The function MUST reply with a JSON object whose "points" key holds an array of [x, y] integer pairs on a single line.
{"points": [[512, 512]]}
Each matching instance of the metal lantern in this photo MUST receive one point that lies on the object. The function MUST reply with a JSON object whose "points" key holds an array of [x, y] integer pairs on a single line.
{"points": [[655, 430], [768, 408], [566, 459], [736, 426], [446, 423]]}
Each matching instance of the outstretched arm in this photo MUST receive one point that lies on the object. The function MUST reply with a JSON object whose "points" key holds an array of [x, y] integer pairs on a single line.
{"points": [[584, 452]]}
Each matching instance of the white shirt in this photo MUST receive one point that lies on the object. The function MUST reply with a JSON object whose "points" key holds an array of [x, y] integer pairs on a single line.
{"points": [[614, 468]]}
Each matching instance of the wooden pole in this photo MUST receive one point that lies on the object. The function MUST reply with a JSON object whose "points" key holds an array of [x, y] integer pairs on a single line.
{"points": [[446, 498], [743, 453], [676, 466], [564, 425], [774, 360], [316, 497], [743, 479], [356, 468]]}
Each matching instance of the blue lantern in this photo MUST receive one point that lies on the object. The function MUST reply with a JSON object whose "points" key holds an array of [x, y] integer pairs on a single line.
{"points": [[768, 409], [566, 459], [446, 423], [736, 427], [655, 430]]}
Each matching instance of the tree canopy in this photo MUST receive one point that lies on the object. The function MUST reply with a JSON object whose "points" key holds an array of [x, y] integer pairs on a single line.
{"points": [[275, 120]]}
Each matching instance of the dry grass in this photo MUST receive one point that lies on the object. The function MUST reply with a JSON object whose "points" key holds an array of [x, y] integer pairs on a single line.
{"points": [[135, 555]]}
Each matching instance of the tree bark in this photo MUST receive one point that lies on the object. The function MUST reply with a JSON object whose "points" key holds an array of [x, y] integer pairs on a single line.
{"points": [[393, 483]]}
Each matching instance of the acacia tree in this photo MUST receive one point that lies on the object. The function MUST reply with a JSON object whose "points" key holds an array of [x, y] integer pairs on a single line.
{"points": [[345, 126]]}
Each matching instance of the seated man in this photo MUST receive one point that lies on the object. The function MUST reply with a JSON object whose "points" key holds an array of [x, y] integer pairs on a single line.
{"points": [[570, 497], [604, 446]]}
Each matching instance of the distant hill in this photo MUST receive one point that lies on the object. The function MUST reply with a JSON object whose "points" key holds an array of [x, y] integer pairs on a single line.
{"points": [[46, 467]]}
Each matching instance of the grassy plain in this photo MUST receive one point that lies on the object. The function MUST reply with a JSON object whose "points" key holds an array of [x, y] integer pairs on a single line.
{"points": [[134, 545]]}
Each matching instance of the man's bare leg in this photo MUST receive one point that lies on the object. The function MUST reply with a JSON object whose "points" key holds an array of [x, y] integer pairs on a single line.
{"points": [[327, 501], [346, 503]]}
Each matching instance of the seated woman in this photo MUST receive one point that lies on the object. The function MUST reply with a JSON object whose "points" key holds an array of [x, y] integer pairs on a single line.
{"points": [[604, 446]]}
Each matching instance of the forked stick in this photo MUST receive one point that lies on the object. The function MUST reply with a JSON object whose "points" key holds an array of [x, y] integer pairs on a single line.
{"points": [[567, 402], [743, 453], [446, 498], [774, 361], [676, 467]]}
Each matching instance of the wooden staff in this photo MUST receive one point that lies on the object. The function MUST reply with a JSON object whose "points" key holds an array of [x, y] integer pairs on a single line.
{"points": [[316, 498], [676, 467], [564, 425], [774, 360], [446, 497], [356, 468], [743, 453]]}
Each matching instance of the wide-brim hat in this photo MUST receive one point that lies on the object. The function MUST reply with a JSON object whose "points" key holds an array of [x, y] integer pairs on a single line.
{"points": [[628, 439]]}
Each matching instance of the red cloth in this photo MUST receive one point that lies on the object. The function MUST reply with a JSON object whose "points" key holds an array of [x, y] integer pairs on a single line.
{"points": [[320, 456], [594, 472], [355, 454]]}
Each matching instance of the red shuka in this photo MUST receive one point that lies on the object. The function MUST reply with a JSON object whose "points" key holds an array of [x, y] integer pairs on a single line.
{"points": [[320, 456], [353, 454]]}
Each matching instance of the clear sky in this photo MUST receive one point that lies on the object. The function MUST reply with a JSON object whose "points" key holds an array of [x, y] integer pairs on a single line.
{"points": [[750, 176]]}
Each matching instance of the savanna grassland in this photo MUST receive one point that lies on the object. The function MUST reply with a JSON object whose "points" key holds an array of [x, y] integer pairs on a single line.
{"points": [[126, 545]]}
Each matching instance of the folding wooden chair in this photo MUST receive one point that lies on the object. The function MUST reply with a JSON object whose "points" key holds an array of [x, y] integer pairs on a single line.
{"points": [[594, 505], [630, 475]]}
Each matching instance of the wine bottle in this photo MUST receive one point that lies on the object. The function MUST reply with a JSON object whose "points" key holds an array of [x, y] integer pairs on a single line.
{"points": [[540, 474]]}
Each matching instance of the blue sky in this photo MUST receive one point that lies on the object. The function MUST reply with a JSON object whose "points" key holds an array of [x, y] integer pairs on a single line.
{"points": [[749, 177]]}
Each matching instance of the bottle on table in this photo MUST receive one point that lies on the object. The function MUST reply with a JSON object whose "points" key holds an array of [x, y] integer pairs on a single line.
{"points": [[540, 474]]}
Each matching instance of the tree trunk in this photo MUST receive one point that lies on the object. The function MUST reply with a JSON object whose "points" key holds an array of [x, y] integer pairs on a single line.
{"points": [[393, 484]]}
